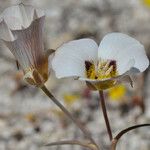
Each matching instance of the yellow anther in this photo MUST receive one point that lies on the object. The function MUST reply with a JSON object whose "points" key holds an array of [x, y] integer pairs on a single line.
{"points": [[110, 69], [107, 65]]}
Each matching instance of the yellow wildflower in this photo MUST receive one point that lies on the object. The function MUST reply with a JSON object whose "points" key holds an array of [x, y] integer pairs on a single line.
{"points": [[117, 93], [146, 2], [69, 99]]}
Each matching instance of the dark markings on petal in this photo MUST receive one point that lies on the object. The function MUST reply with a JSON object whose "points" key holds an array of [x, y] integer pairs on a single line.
{"points": [[88, 65], [90, 70], [113, 63]]}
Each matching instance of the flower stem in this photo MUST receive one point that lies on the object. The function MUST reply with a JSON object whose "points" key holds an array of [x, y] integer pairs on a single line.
{"points": [[121, 133], [103, 106], [73, 142], [83, 129]]}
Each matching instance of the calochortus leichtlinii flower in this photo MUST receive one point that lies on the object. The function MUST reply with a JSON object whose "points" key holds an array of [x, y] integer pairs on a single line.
{"points": [[21, 29], [103, 66]]}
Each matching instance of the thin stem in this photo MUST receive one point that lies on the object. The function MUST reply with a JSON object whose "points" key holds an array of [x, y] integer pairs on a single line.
{"points": [[120, 134], [84, 130], [103, 106], [73, 142]]}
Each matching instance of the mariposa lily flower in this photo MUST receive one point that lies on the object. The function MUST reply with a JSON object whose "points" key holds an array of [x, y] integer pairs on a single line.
{"points": [[21, 29], [117, 57]]}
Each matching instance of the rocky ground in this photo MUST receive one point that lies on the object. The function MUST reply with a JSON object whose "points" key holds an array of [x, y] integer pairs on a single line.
{"points": [[28, 119]]}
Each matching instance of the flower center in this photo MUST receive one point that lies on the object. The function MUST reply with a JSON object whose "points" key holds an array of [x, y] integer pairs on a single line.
{"points": [[101, 70]]}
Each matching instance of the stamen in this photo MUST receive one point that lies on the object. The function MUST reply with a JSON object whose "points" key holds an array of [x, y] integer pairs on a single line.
{"points": [[109, 71], [103, 69], [107, 65]]}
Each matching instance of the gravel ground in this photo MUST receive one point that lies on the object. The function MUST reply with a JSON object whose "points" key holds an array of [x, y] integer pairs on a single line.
{"points": [[28, 119]]}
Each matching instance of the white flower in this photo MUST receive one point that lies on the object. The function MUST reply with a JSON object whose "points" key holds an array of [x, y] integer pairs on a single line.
{"points": [[21, 29], [117, 56]]}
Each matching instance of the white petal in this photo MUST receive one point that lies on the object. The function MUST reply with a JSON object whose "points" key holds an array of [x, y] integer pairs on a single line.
{"points": [[124, 50], [40, 13], [27, 13], [20, 16], [12, 17], [69, 59], [28, 47], [5, 33], [125, 77]]}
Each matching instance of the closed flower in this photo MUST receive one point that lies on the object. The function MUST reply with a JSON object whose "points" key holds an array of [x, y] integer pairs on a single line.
{"points": [[21, 29]]}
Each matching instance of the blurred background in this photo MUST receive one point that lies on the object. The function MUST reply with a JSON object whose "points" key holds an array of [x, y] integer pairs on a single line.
{"points": [[28, 119]]}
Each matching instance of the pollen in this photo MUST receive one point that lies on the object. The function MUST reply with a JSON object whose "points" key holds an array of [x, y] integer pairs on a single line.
{"points": [[101, 70]]}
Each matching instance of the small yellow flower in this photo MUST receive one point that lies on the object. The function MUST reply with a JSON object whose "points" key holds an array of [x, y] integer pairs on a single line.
{"points": [[146, 2], [69, 99], [117, 93]]}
